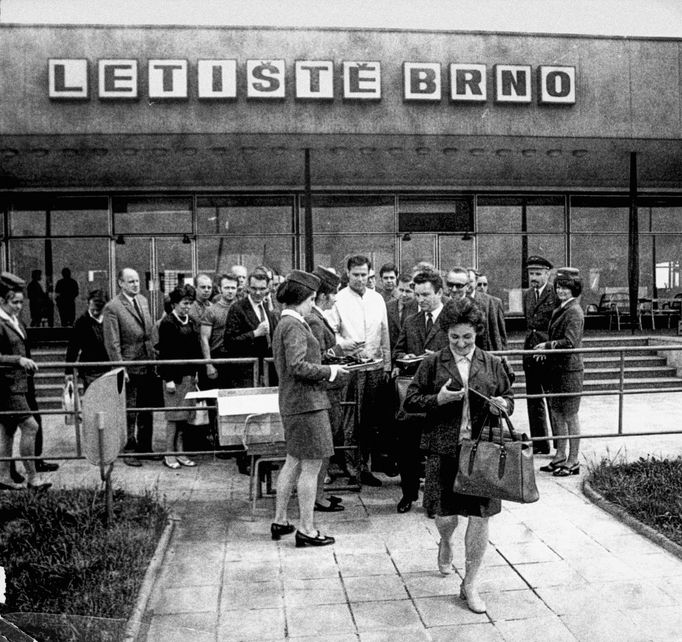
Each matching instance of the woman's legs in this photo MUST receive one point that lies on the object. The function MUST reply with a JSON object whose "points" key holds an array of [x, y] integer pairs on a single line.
{"points": [[171, 434], [475, 544], [180, 444], [319, 495], [27, 448], [560, 428], [446, 525], [307, 489], [6, 440], [285, 485], [573, 424]]}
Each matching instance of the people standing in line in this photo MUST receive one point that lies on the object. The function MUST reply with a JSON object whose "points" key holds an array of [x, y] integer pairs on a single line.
{"points": [[178, 341], [212, 329], [39, 303], [87, 341], [372, 279], [539, 301], [388, 274], [361, 325], [421, 334], [494, 336], [127, 328], [303, 404], [203, 286], [66, 291], [456, 283], [564, 373], [482, 283], [241, 273], [440, 389], [15, 387], [400, 307]]}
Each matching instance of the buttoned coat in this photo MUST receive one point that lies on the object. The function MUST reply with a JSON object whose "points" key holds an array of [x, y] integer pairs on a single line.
{"points": [[127, 335], [538, 315], [13, 378], [395, 322], [301, 374], [494, 335], [414, 340], [241, 321], [323, 332], [442, 424], [565, 333]]}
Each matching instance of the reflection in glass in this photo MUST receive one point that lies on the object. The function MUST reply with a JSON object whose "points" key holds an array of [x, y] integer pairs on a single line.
{"points": [[218, 255], [354, 214], [415, 248], [245, 215], [332, 251], [152, 215]]}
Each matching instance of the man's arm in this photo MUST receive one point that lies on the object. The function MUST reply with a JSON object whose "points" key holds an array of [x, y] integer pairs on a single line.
{"points": [[205, 331], [112, 334]]}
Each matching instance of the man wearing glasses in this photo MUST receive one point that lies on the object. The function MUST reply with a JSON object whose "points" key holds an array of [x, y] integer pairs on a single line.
{"points": [[456, 283]]}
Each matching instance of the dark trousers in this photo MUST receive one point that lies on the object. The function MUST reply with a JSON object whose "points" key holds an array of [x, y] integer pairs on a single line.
{"points": [[537, 408], [409, 457], [142, 391]]}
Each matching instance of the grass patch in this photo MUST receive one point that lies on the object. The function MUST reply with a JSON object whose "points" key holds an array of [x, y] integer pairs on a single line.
{"points": [[60, 558], [649, 489]]}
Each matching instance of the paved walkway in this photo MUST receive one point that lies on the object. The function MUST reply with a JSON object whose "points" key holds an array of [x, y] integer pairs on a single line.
{"points": [[560, 569]]}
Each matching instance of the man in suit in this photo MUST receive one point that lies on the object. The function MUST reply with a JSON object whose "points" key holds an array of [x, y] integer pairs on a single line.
{"points": [[421, 334], [248, 330], [127, 327], [399, 308], [539, 301]]}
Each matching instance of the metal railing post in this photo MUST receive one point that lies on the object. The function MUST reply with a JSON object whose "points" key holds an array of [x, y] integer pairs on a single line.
{"points": [[621, 391], [77, 411]]}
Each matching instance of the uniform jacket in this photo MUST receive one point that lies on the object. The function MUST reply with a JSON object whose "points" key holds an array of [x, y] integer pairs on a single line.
{"points": [[395, 323], [127, 336], [86, 344], [413, 338], [538, 315], [301, 374], [13, 378], [323, 332], [566, 332], [442, 423], [494, 335], [239, 326]]}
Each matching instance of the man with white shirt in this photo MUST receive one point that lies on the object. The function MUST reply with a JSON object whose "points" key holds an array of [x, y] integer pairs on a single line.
{"points": [[361, 325], [539, 301]]}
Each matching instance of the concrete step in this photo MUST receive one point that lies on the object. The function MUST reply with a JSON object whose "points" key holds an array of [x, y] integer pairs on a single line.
{"points": [[608, 361], [661, 383]]}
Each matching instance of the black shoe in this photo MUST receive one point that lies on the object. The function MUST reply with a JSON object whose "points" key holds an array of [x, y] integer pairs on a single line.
{"points": [[133, 462], [539, 450], [404, 505], [567, 471], [17, 478], [45, 467], [553, 466], [333, 499], [277, 530], [319, 540], [38, 488], [329, 508], [367, 479], [152, 457]]}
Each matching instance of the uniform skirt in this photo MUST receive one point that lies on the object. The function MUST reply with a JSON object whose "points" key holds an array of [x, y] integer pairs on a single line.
{"points": [[439, 498], [177, 398], [565, 381], [19, 404], [308, 435]]}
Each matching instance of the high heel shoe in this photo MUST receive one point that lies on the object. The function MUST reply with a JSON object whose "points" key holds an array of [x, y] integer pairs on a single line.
{"points": [[318, 540], [567, 471], [277, 530], [171, 462], [444, 557], [473, 599], [186, 461], [553, 465]]}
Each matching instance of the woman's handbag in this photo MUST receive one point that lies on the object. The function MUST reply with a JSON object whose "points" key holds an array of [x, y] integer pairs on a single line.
{"points": [[68, 402], [497, 468], [199, 416]]}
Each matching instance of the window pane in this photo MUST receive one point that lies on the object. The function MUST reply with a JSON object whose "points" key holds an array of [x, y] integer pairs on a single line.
{"points": [[551, 247], [28, 222], [498, 218], [436, 214], [665, 262], [218, 255], [453, 251], [331, 251], [245, 215], [80, 216], [545, 218], [420, 247], [359, 214], [665, 219], [152, 215], [499, 258]]}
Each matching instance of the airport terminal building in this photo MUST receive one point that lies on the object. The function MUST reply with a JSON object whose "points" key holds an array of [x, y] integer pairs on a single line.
{"points": [[176, 150]]}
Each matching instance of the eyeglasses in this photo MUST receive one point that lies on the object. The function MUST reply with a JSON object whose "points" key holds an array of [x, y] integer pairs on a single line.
{"points": [[459, 286]]}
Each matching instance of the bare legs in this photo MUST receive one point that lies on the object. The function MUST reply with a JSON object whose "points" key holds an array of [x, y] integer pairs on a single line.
{"points": [[5, 451], [27, 445], [303, 473], [171, 433]]}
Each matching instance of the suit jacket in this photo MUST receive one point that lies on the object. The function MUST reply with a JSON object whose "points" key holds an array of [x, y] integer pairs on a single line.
{"points": [[13, 378], [395, 323], [323, 332], [494, 335], [301, 375], [413, 338], [86, 344], [566, 332], [538, 315], [442, 424], [239, 326], [127, 336]]}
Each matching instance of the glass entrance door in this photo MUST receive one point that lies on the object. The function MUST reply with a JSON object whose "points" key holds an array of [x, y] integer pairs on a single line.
{"points": [[162, 263]]}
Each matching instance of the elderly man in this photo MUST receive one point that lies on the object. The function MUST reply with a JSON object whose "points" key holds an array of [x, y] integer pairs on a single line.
{"points": [[127, 328], [241, 273], [361, 325], [539, 301]]}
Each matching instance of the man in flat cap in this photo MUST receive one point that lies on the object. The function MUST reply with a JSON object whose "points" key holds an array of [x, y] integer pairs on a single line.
{"points": [[539, 301]]}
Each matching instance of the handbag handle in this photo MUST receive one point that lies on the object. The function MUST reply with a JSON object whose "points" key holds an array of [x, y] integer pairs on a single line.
{"points": [[503, 414]]}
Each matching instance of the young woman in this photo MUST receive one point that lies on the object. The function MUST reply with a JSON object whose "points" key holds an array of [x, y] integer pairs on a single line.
{"points": [[304, 405]]}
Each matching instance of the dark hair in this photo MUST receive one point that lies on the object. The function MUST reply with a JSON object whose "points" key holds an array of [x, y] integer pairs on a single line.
{"points": [[292, 292], [180, 292], [462, 310], [405, 278], [429, 277], [167, 307], [98, 296], [343, 283], [573, 283], [356, 260], [388, 267], [229, 277], [6, 289], [36, 274], [258, 275], [326, 288]]}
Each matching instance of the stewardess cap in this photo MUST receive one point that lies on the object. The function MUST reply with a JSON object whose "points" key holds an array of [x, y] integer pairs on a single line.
{"points": [[327, 277], [304, 278]]}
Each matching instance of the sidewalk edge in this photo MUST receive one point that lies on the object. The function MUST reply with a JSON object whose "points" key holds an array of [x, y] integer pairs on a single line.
{"points": [[132, 629], [622, 515]]}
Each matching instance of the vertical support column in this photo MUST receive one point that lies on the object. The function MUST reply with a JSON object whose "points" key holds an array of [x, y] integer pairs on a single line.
{"points": [[633, 243], [308, 217], [524, 245]]}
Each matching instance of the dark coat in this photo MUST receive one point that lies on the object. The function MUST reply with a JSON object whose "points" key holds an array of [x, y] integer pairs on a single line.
{"points": [[324, 333], [127, 336], [395, 321], [413, 339], [239, 326], [538, 315], [13, 378], [177, 342], [441, 426], [494, 335], [301, 374], [86, 344], [565, 333]]}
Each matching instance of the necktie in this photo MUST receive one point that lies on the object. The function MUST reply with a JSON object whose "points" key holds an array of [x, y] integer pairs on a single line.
{"points": [[136, 305], [537, 295], [429, 323]]}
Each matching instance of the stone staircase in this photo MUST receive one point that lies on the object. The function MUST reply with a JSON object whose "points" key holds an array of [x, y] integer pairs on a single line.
{"points": [[644, 369], [49, 382]]}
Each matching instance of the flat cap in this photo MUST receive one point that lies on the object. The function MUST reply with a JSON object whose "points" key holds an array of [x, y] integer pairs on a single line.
{"points": [[304, 278], [538, 262], [12, 280], [327, 277]]}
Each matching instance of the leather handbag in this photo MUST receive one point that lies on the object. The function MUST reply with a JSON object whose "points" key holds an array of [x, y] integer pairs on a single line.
{"points": [[497, 468]]}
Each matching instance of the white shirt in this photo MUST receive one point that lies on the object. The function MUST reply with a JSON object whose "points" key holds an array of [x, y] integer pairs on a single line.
{"points": [[464, 367], [362, 318], [434, 313], [13, 321], [99, 319], [566, 302]]}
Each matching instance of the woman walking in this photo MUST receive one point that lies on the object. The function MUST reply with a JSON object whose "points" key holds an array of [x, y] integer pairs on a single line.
{"points": [[304, 405]]}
